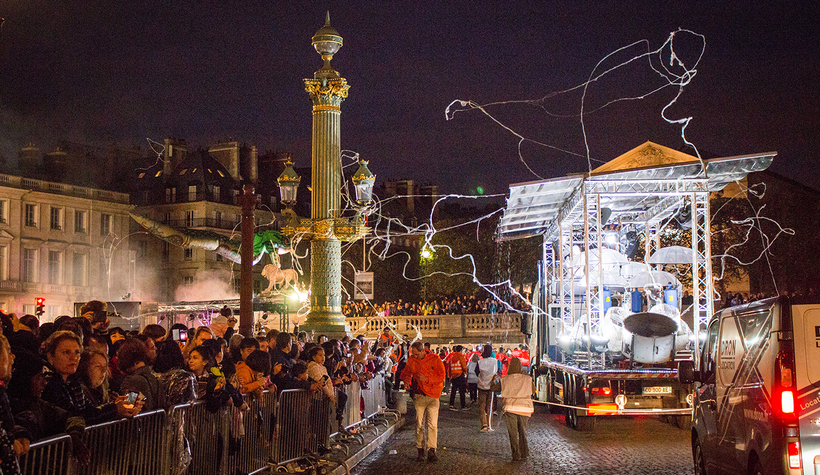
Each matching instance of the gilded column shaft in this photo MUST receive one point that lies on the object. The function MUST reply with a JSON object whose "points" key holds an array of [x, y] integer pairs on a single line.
{"points": [[326, 164]]}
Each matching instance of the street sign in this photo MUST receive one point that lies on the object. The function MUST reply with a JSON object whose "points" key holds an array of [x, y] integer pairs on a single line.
{"points": [[363, 286]]}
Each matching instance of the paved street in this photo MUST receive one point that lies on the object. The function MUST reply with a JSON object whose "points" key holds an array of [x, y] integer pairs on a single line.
{"points": [[641, 445]]}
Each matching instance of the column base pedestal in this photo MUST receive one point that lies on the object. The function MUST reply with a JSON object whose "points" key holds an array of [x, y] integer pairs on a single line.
{"points": [[330, 325]]}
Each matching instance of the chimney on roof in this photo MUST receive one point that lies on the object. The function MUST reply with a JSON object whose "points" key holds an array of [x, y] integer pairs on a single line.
{"points": [[29, 158]]}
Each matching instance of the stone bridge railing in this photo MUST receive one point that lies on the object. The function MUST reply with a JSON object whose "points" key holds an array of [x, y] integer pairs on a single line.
{"points": [[473, 328]]}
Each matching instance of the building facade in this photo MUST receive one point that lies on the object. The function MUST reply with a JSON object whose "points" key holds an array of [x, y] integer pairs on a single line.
{"points": [[63, 243]]}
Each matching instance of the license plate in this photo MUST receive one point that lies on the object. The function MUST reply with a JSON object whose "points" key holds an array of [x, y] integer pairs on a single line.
{"points": [[657, 390]]}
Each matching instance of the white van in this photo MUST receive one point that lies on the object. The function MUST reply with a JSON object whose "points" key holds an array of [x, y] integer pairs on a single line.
{"points": [[757, 407]]}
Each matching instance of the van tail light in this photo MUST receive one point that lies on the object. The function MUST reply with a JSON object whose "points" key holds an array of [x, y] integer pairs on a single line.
{"points": [[784, 388], [794, 454]]}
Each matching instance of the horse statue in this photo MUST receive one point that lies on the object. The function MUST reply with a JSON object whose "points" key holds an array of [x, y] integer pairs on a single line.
{"points": [[277, 276]]}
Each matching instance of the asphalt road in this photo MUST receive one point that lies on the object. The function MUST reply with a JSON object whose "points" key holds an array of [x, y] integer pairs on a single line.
{"points": [[636, 445]]}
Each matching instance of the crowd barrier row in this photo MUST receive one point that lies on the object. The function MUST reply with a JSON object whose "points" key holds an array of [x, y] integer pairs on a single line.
{"points": [[188, 439]]}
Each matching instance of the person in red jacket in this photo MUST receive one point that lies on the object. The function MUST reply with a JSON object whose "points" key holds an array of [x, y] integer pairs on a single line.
{"points": [[424, 376]]}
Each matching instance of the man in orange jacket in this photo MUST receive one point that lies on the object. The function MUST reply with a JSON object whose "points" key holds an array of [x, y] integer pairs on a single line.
{"points": [[424, 375]]}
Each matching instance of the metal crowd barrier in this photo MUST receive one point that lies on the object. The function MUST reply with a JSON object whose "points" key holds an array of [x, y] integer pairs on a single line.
{"points": [[47, 457], [256, 445], [190, 440], [134, 446]]}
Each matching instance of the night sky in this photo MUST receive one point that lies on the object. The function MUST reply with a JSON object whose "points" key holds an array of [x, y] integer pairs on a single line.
{"points": [[109, 71]]}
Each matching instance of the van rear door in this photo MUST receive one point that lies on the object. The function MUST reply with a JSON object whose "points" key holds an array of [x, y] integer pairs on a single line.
{"points": [[806, 325]]}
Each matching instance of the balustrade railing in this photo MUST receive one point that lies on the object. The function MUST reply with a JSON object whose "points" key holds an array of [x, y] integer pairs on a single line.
{"points": [[445, 327]]}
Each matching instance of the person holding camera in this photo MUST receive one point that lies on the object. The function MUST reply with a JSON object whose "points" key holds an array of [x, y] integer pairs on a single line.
{"points": [[96, 312], [424, 375]]}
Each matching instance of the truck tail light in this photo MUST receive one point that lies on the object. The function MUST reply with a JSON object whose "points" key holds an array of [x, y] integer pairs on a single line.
{"points": [[794, 454], [602, 391]]}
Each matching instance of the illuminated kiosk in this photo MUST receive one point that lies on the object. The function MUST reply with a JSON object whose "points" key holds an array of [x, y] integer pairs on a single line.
{"points": [[326, 228], [636, 193]]}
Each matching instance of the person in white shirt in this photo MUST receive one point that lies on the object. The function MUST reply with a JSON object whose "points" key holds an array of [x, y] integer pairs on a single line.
{"points": [[517, 389], [487, 371]]}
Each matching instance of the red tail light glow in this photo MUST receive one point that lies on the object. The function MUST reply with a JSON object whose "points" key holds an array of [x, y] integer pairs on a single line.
{"points": [[787, 402], [602, 391], [794, 454], [783, 390]]}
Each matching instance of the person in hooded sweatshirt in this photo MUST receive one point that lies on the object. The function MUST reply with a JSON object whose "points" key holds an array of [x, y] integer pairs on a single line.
{"points": [[517, 389]]}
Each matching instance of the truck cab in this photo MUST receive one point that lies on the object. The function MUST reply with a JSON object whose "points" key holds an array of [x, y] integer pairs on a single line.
{"points": [[757, 404]]}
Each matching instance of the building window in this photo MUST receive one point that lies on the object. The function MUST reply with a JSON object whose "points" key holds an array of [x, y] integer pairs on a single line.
{"points": [[189, 218], [188, 280], [166, 251], [257, 286], [189, 254], [55, 260], [29, 265], [191, 192], [56, 219], [237, 285], [4, 211], [167, 218], [80, 221], [218, 219], [217, 194], [31, 215], [105, 224], [142, 249], [78, 270], [4, 262]]}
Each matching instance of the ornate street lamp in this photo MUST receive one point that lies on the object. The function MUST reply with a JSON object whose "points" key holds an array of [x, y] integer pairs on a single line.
{"points": [[288, 184], [363, 182]]}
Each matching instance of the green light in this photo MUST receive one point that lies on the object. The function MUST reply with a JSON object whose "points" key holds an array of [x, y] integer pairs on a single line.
{"points": [[479, 190]]}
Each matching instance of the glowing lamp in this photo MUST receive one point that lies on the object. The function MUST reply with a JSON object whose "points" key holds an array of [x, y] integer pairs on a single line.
{"points": [[363, 182], [288, 184]]}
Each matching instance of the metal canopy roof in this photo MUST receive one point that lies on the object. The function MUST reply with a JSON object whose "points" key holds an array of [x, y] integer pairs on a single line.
{"points": [[636, 193]]}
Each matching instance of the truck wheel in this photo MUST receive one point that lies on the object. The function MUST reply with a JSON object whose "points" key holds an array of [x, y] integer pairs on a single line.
{"points": [[683, 422], [585, 423], [570, 414]]}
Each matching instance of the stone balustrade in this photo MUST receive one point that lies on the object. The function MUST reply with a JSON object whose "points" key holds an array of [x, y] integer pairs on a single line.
{"points": [[443, 329]]}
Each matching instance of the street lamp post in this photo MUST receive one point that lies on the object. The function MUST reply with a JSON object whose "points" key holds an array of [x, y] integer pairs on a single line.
{"points": [[326, 228]]}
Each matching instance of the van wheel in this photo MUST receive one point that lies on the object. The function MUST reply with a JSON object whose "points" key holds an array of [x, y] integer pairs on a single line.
{"points": [[757, 469], [700, 461]]}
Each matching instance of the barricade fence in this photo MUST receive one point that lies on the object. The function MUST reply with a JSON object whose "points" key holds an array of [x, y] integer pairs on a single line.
{"points": [[188, 439]]}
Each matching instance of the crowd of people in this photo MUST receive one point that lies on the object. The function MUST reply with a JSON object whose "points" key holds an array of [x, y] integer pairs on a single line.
{"points": [[62, 376], [468, 305], [426, 373]]}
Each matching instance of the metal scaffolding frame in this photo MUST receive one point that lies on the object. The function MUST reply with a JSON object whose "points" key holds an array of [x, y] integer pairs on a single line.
{"points": [[568, 211]]}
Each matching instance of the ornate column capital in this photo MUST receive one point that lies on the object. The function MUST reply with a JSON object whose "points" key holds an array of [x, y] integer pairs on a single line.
{"points": [[327, 94]]}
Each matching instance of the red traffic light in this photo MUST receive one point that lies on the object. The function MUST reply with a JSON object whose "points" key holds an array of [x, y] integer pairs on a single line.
{"points": [[40, 300]]}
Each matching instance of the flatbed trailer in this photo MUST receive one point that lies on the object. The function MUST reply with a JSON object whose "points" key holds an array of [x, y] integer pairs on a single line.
{"points": [[590, 225]]}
